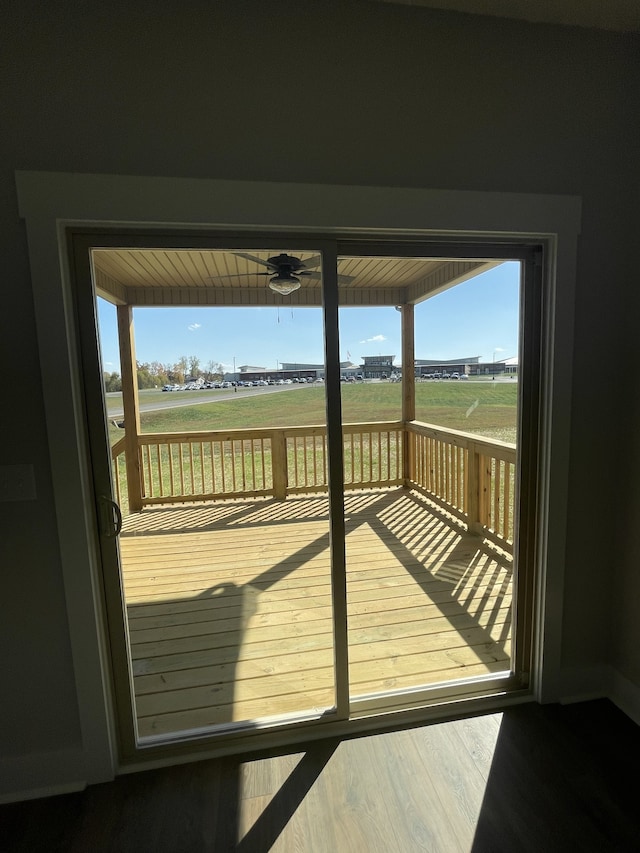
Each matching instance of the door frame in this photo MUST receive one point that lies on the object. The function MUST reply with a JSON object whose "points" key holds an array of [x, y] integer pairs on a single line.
{"points": [[347, 707], [53, 202], [80, 242]]}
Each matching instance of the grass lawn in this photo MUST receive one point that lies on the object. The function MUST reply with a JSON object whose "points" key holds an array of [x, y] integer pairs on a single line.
{"points": [[485, 408]]}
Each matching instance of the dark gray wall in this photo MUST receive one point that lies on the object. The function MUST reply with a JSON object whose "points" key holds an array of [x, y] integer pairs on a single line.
{"points": [[336, 92]]}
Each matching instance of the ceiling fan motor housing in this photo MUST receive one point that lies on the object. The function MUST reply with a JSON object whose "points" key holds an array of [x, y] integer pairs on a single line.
{"points": [[286, 264]]}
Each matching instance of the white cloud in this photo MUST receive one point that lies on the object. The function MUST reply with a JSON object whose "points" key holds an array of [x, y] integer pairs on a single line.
{"points": [[194, 326], [375, 339]]}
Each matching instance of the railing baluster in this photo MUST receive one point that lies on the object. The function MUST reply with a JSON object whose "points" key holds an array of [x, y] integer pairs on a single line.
{"points": [[179, 448], [213, 461], [223, 465], [234, 476], [496, 496], [149, 486], [253, 463], [315, 460], [296, 463], [279, 465], [447, 469], [190, 456], [203, 483], [325, 475], [389, 434], [170, 468], [507, 501], [160, 485]]}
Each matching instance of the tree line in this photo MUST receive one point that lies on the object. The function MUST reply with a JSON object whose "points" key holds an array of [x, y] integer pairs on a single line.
{"points": [[154, 374]]}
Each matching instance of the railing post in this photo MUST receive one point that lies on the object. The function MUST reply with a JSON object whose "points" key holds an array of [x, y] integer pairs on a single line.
{"points": [[479, 485], [484, 491], [473, 490], [409, 457], [279, 472], [130, 406], [408, 387]]}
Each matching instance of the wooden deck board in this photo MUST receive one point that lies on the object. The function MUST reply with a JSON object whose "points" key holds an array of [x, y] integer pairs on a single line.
{"points": [[229, 606]]}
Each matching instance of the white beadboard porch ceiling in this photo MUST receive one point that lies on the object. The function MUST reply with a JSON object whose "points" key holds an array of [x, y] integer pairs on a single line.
{"points": [[223, 277]]}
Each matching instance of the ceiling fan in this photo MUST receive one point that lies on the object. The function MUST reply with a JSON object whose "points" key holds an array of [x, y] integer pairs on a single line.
{"points": [[284, 271]]}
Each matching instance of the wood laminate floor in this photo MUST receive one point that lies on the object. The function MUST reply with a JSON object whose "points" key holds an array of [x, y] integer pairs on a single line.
{"points": [[531, 779]]}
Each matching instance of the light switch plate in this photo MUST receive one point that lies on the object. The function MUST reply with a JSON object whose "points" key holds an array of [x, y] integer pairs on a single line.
{"points": [[17, 483]]}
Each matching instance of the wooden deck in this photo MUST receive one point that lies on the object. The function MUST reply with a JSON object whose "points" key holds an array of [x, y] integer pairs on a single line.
{"points": [[230, 614]]}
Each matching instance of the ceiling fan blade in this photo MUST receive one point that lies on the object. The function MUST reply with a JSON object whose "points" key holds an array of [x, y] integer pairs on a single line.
{"points": [[237, 275], [316, 260], [254, 259], [342, 279]]}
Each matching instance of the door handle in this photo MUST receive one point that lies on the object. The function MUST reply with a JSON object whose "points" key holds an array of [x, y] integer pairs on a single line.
{"points": [[111, 517]]}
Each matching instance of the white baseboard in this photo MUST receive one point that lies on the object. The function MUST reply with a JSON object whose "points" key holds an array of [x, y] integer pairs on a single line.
{"points": [[601, 682], [625, 695], [28, 777], [583, 684]]}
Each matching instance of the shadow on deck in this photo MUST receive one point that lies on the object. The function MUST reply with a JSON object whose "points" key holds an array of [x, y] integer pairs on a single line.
{"points": [[230, 614]]}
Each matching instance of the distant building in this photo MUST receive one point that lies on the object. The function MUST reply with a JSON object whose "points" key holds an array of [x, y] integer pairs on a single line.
{"points": [[429, 366], [377, 366]]}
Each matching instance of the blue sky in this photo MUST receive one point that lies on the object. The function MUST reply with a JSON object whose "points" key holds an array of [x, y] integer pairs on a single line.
{"points": [[478, 317]]}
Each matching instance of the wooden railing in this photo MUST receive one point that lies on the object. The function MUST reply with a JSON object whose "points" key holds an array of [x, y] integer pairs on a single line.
{"points": [[469, 476], [178, 467]]}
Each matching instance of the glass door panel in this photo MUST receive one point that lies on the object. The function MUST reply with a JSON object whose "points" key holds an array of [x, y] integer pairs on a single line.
{"points": [[224, 560], [429, 401]]}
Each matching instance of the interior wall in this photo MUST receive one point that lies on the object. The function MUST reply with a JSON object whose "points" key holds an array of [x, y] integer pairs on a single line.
{"points": [[323, 92]]}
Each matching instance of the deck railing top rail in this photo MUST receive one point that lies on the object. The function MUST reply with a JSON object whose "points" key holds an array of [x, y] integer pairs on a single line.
{"points": [[152, 438], [493, 446]]}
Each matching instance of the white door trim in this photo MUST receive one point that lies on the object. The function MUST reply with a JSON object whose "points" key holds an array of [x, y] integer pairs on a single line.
{"points": [[50, 202]]}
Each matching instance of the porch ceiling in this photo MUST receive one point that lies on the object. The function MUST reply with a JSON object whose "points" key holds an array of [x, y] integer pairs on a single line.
{"points": [[221, 277]]}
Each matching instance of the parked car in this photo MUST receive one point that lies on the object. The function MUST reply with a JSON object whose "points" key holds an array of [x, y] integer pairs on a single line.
{"points": [[455, 375]]}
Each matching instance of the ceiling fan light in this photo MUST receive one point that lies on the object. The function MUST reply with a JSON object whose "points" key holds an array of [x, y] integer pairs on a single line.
{"points": [[284, 284]]}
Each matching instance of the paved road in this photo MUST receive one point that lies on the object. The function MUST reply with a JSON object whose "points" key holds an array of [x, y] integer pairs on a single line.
{"points": [[178, 399]]}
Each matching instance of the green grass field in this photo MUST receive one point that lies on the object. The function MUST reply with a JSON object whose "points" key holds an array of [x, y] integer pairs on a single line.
{"points": [[485, 408]]}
